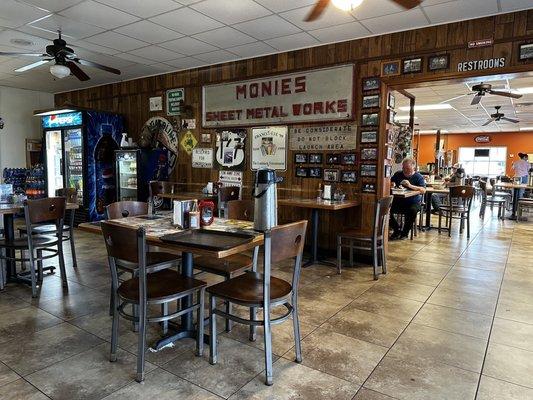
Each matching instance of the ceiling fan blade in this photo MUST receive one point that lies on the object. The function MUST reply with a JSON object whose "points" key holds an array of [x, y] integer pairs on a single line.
{"points": [[408, 3], [505, 94], [33, 65], [77, 72], [476, 100], [317, 10], [96, 65], [489, 121], [4, 53], [514, 121]]}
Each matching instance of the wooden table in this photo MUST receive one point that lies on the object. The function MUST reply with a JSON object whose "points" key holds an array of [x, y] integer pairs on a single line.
{"points": [[162, 225], [187, 196], [316, 205], [516, 192], [404, 194], [430, 191], [8, 211]]}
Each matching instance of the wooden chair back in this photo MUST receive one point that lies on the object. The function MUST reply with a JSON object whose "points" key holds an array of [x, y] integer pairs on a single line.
{"points": [[288, 240], [225, 194], [159, 187], [123, 209], [240, 209], [462, 196], [381, 216], [71, 194], [121, 241], [45, 210]]}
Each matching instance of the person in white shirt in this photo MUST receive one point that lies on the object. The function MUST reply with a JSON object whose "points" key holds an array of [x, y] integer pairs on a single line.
{"points": [[521, 170]]}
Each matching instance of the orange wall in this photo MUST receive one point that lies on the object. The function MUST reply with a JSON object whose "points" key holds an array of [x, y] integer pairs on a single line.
{"points": [[515, 142]]}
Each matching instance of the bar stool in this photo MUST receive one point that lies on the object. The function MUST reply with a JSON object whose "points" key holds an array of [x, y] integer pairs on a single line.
{"points": [[255, 290], [154, 284]]}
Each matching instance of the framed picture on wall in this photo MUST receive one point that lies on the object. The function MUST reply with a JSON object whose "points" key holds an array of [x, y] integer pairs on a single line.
{"points": [[371, 84], [370, 119], [369, 153], [331, 175], [412, 65], [390, 116], [300, 158], [439, 62], [348, 159], [525, 51], [390, 135], [315, 158], [369, 187], [388, 171], [315, 172], [390, 152], [390, 68], [368, 169], [371, 101], [301, 172], [391, 101], [333, 159], [369, 136], [349, 176]]}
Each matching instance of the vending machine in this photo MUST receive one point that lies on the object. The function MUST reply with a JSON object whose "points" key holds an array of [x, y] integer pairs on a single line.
{"points": [[79, 153]]}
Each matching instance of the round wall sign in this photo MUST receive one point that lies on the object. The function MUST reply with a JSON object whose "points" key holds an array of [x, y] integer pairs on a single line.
{"points": [[482, 139]]}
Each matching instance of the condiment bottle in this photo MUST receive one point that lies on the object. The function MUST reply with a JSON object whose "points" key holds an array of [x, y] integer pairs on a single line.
{"points": [[194, 216]]}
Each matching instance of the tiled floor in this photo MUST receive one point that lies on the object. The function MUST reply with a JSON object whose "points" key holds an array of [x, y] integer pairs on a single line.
{"points": [[453, 319]]}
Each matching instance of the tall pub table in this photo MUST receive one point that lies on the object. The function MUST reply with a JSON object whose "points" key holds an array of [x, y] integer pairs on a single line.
{"points": [[158, 226], [316, 205], [8, 211], [516, 190]]}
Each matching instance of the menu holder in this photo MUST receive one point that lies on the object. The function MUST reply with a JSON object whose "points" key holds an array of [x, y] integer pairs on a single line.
{"points": [[208, 239]]}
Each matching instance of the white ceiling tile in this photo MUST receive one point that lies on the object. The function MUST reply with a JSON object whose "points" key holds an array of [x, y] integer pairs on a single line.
{"points": [[94, 47], [116, 41], [155, 53], [186, 21], [515, 5], [296, 41], [188, 46], [460, 9], [231, 11], [10, 37], [98, 14], [14, 14], [216, 57], [225, 37], [134, 58], [253, 49], [53, 5], [267, 27], [143, 8], [351, 30], [332, 16], [376, 8], [396, 22], [185, 62], [149, 32], [284, 5], [68, 27]]}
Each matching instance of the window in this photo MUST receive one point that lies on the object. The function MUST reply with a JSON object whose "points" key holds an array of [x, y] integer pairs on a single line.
{"points": [[483, 161]]}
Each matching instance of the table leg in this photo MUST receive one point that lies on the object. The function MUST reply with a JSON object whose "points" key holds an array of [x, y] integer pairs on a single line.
{"points": [[428, 209], [516, 192], [9, 234], [314, 241]]}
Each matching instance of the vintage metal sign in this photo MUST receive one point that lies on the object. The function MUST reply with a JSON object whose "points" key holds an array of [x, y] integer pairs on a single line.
{"points": [[480, 43], [229, 149], [476, 65], [188, 142], [202, 157], [325, 137], [269, 148], [316, 95], [230, 178], [175, 98]]}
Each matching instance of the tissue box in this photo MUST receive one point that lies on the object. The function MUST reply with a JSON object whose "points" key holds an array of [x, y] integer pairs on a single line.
{"points": [[6, 190]]}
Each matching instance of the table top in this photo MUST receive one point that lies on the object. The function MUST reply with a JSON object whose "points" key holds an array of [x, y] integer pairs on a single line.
{"points": [[510, 185], [162, 225], [437, 190], [404, 194], [15, 208], [187, 196], [319, 204]]}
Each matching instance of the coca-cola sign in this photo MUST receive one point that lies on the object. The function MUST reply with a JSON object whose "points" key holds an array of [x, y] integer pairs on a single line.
{"points": [[482, 139]]}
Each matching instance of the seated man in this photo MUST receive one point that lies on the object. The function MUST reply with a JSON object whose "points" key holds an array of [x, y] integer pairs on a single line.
{"points": [[456, 178], [409, 206]]}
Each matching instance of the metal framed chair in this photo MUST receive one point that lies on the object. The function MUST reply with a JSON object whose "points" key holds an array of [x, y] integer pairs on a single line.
{"points": [[490, 200], [226, 194], [355, 240], [154, 284], [255, 290], [458, 207], [160, 187], [38, 247]]}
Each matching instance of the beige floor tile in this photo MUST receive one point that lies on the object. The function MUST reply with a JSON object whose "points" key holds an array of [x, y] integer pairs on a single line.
{"points": [[515, 310], [512, 333], [367, 394], [411, 291], [22, 321], [296, 381], [7, 375], [466, 300], [494, 389], [509, 364], [391, 306], [9, 302], [20, 389]]}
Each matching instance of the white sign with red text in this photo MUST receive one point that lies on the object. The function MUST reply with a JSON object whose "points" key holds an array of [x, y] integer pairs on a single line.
{"points": [[306, 96]]}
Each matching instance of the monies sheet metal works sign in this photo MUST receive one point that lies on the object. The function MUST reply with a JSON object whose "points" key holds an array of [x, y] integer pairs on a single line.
{"points": [[306, 96]]}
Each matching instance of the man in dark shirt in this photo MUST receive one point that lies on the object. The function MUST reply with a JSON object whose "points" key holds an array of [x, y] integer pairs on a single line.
{"points": [[409, 206]]}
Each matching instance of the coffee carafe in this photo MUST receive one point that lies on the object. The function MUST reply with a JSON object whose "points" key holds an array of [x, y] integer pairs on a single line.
{"points": [[265, 199]]}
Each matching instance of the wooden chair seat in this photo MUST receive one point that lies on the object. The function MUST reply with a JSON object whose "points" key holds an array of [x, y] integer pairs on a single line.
{"points": [[247, 289], [160, 285], [22, 243], [356, 235], [153, 258], [455, 209], [225, 266]]}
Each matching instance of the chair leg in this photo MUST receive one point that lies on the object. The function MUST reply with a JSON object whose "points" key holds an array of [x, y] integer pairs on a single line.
{"points": [[33, 274], [296, 326], [200, 319], [115, 326], [468, 226], [440, 220], [253, 317], [351, 253], [62, 263], [212, 330], [135, 325], [141, 346], [268, 346], [229, 323], [339, 254], [383, 260], [164, 324], [40, 272], [449, 223], [375, 261], [2, 270], [73, 249]]}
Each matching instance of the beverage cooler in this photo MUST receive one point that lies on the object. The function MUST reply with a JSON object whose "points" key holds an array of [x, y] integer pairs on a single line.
{"points": [[136, 168], [79, 153]]}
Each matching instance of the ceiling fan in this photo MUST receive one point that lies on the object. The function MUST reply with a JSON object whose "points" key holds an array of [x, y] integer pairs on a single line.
{"points": [[65, 61], [348, 5], [496, 117], [486, 88]]}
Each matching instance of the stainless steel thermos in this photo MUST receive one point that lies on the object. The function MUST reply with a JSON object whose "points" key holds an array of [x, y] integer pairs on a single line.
{"points": [[265, 199]]}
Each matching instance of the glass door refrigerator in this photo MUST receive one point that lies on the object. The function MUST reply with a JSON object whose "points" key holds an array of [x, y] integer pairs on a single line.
{"points": [[79, 153], [127, 166]]}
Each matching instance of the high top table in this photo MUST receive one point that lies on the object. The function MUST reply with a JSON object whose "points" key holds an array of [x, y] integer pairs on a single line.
{"points": [[316, 205], [516, 190]]}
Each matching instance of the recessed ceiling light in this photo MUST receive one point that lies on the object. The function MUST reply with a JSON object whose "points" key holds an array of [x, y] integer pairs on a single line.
{"points": [[425, 107], [526, 128], [403, 117], [524, 90], [21, 42]]}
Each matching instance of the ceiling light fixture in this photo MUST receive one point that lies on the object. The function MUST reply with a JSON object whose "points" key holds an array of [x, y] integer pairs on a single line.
{"points": [[346, 5], [524, 90], [526, 128], [426, 107], [60, 71], [403, 117]]}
